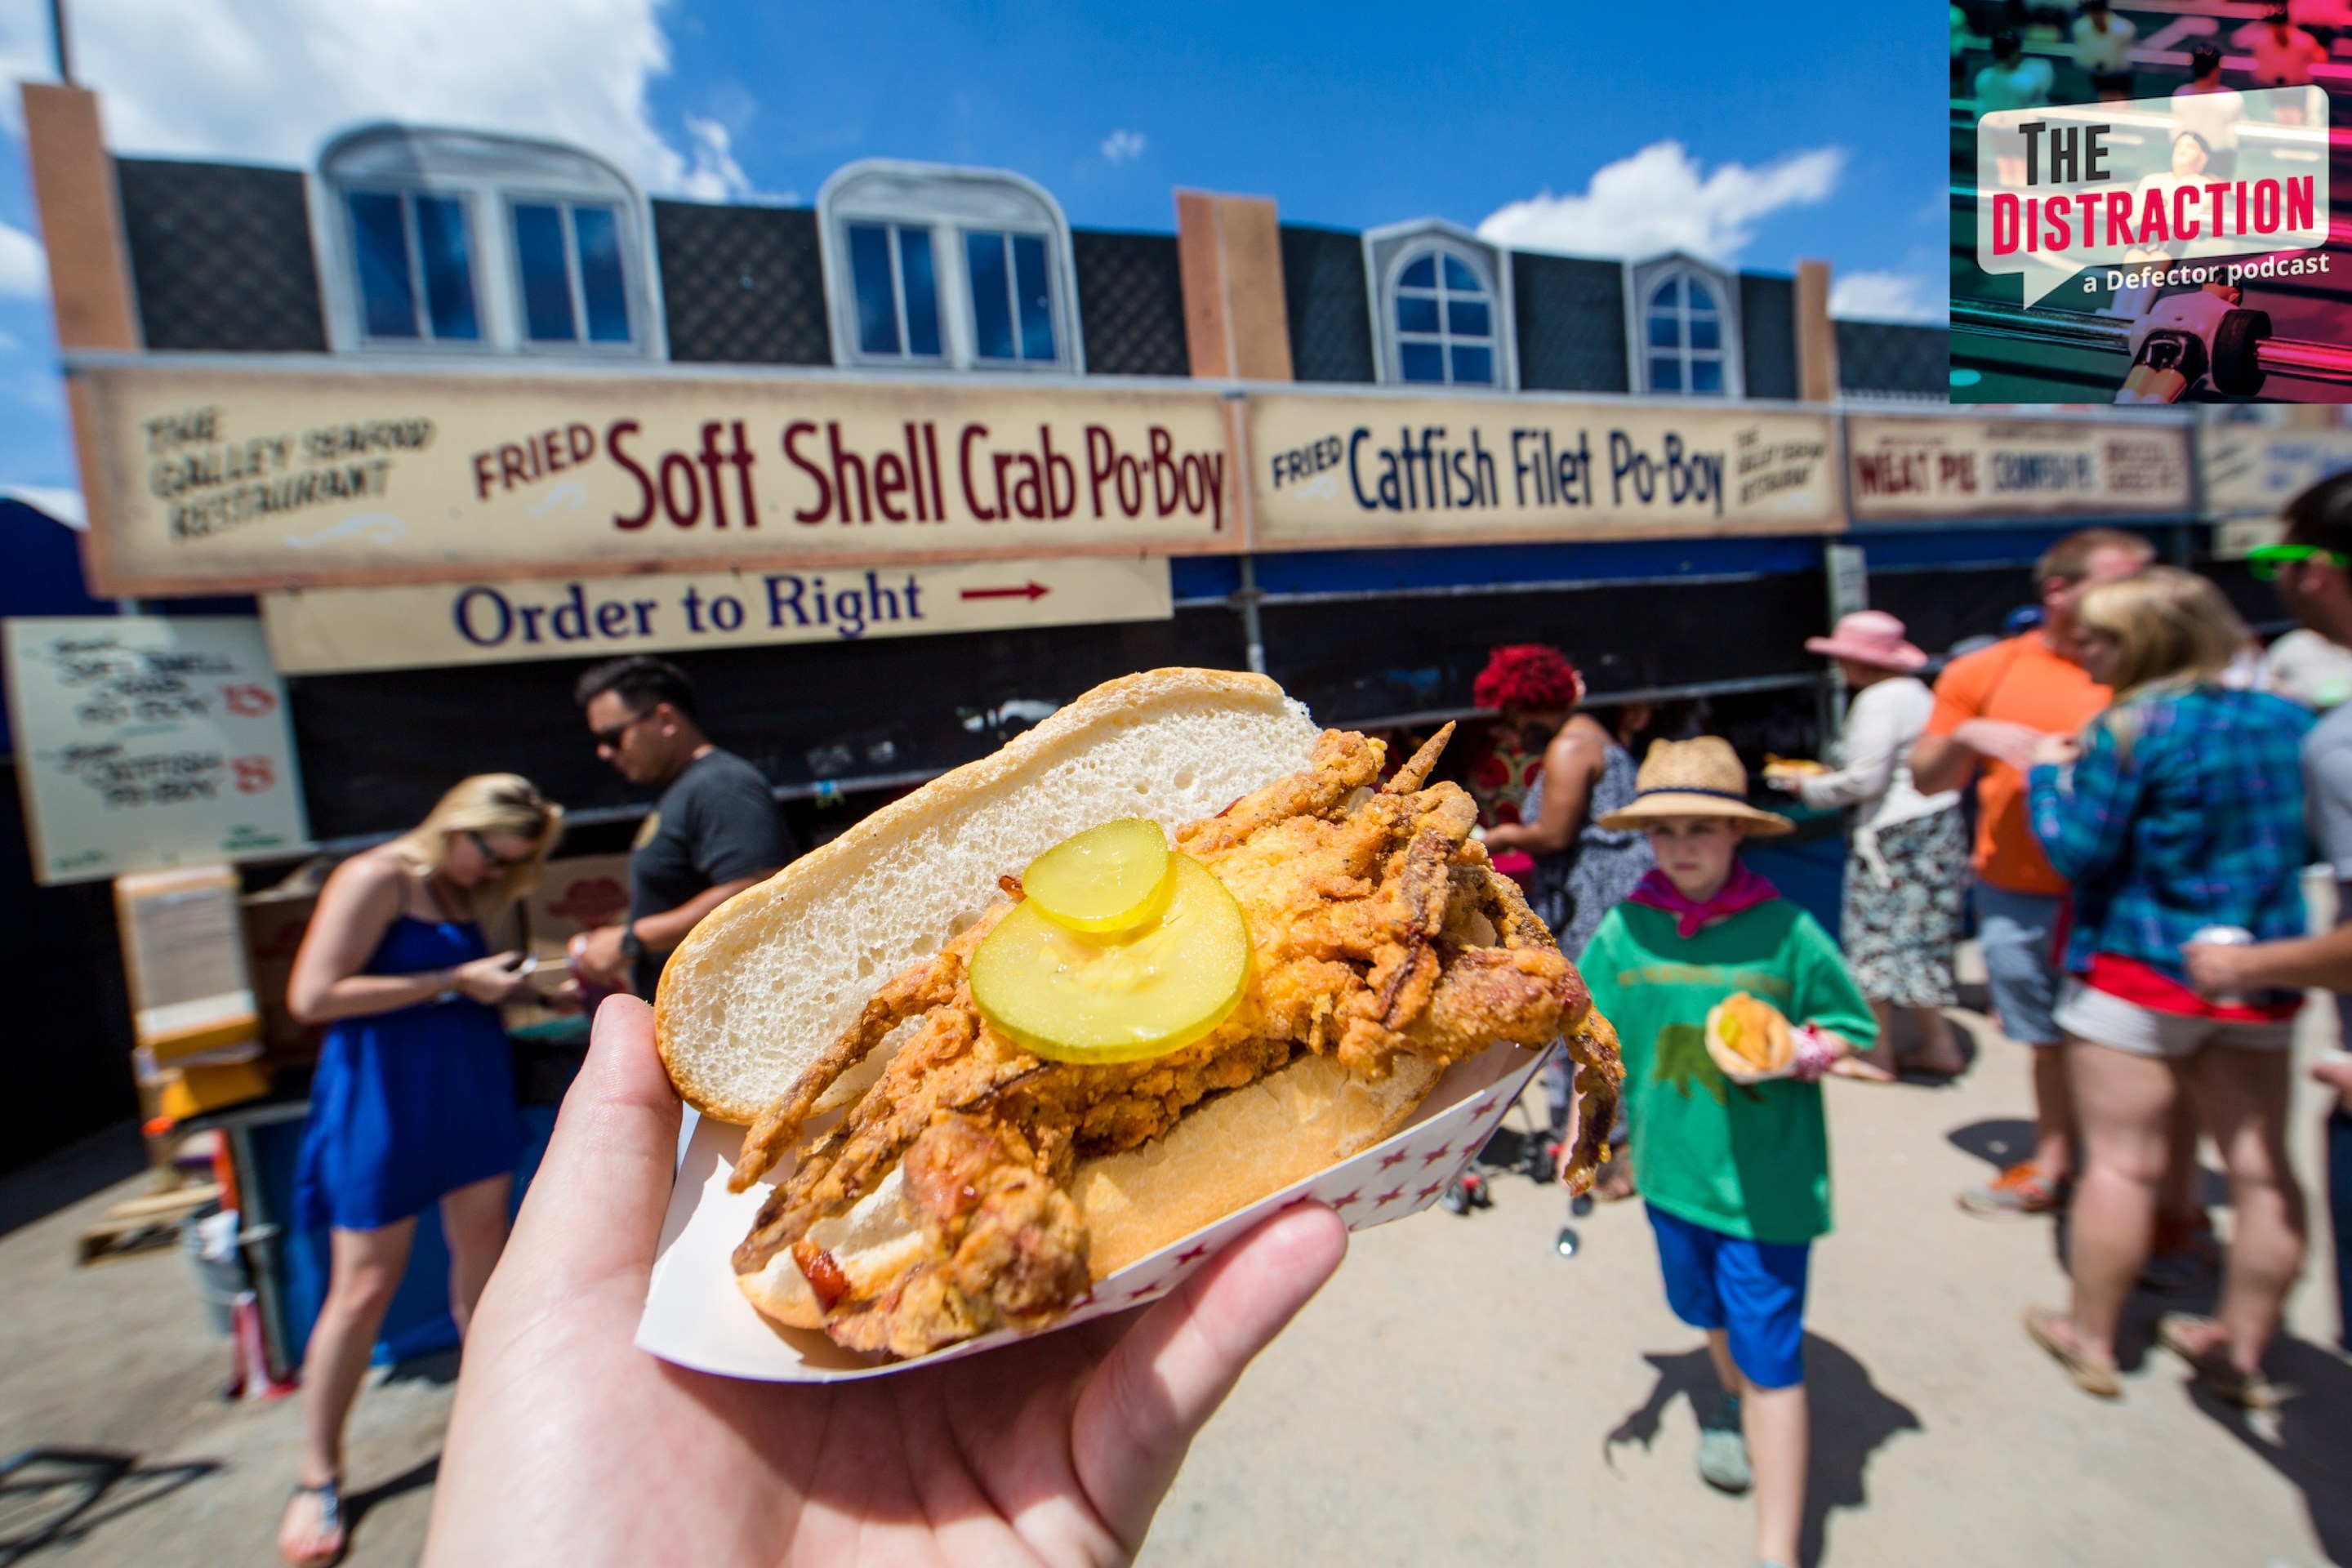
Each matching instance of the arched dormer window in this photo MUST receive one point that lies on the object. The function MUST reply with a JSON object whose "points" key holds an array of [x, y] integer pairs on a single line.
{"points": [[457, 241], [941, 268], [1441, 307], [1683, 327]]}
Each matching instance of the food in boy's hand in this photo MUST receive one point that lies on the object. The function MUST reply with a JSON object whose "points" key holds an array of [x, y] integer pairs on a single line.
{"points": [[1750, 1039], [1061, 1101]]}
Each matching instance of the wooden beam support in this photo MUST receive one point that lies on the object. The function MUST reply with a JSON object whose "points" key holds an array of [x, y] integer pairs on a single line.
{"points": [[81, 221], [1229, 252], [1817, 366]]}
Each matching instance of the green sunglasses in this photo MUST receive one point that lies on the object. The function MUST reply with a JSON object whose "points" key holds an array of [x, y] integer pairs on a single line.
{"points": [[2265, 560]]}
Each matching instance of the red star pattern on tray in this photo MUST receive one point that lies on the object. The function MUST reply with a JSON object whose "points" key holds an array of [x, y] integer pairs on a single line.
{"points": [[1348, 1199], [1398, 1158], [1437, 1153], [1192, 1255], [1431, 1190], [1388, 1197]]}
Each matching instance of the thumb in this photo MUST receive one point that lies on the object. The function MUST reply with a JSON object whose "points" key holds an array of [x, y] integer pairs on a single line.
{"points": [[1150, 1396], [595, 1209]]}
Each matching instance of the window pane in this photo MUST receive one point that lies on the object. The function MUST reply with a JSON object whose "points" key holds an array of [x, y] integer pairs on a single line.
{"points": [[1665, 332], [1666, 374], [1422, 274], [1459, 275], [546, 280], [878, 306], [597, 232], [380, 243], [1668, 296], [1475, 365], [1706, 375], [1420, 362], [1702, 298], [441, 241], [1467, 318], [991, 295], [1706, 331], [922, 293], [1035, 299], [1416, 313]]}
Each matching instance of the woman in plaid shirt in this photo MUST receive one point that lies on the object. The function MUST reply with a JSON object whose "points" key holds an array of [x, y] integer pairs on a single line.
{"points": [[2180, 807]]}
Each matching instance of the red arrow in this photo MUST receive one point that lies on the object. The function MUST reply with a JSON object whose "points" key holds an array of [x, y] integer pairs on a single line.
{"points": [[1033, 591]]}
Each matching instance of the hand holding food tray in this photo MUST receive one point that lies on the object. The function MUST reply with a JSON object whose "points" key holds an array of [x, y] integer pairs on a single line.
{"points": [[1035, 1042]]}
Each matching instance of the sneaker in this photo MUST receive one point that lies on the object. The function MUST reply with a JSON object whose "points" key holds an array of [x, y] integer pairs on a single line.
{"points": [[1723, 1449], [2017, 1192]]}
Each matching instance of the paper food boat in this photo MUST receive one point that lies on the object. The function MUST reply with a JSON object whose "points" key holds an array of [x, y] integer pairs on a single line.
{"points": [[695, 1317]]}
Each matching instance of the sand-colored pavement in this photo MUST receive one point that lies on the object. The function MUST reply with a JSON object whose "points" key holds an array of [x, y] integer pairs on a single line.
{"points": [[1460, 1394]]}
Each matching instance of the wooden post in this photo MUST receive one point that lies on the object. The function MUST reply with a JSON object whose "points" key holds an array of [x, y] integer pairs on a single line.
{"points": [[1817, 366], [81, 224], [1229, 252], [90, 298]]}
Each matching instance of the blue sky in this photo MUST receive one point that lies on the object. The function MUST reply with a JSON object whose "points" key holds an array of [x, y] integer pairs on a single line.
{"points": [[1756, 133]]}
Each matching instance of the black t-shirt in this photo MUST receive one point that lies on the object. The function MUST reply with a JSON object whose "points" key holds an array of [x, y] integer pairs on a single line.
{"points": [[717, 821]]}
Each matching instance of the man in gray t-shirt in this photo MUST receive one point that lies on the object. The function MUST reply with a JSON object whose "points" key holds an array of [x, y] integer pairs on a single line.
{"points": [[714, 832]]}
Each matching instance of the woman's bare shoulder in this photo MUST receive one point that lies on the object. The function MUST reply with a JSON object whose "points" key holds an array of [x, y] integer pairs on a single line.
{"points": [[368, 877]]}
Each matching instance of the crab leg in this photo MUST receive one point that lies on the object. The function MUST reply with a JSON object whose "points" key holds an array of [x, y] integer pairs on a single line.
{"points": [[1415, 772]]}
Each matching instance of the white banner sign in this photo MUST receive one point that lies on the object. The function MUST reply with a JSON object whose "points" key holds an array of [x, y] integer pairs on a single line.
{"points": [[2254, 470], [325, 629], [144, 742]]}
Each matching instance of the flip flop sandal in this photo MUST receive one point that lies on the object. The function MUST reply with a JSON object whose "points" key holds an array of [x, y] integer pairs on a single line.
{"points": [[2214, 1369], [331, 1525], [2089, 1376]]}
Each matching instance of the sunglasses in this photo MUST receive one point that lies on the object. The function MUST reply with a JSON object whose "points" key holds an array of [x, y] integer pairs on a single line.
{"points": [[614, 736], [2265, 560], [482, 847]]}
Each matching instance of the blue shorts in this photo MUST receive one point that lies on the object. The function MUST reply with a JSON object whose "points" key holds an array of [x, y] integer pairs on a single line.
{"points": [[1753, 1290], [2017, 933]]}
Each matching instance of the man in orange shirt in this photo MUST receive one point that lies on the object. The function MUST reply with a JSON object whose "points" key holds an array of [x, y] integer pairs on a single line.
{"points": [[1991, 708]]}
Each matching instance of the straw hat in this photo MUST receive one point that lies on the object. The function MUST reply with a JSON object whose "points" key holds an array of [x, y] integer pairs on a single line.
{"points": [[1870, 636], [1695, 778]]}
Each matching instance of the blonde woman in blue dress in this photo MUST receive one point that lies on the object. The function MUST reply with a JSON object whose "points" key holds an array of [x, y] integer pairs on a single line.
{"points": [[413, 1104]]}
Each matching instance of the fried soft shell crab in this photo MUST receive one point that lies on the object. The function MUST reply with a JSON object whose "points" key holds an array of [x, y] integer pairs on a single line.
{"points": [[1377, 928]]}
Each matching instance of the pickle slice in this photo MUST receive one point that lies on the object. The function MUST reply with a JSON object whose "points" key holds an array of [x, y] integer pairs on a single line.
{"points": [[1107, 878], [1122, 997]]}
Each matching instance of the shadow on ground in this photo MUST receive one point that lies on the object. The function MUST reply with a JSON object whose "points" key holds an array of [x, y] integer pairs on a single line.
{"points": [[1851, 1420], [2307, 1439], [50, 1496], [70, 1174], [356, 1504]]}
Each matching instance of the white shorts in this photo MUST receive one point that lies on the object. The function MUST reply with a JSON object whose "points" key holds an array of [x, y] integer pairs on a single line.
{"points": [[2107, 1020]]}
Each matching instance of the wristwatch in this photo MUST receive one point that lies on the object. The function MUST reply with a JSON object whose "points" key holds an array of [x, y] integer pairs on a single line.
{"points": [[631, 948]]}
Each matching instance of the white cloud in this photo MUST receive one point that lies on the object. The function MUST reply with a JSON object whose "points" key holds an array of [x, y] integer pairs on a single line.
{"points": [[1659, 200], [56, 500], [1123, 146], [272, 79], [23, 268], [715, 175], [1888, 296]]}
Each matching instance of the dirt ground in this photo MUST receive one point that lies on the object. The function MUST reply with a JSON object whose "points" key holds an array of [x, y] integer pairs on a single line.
{"points": [[1460, 1394]]}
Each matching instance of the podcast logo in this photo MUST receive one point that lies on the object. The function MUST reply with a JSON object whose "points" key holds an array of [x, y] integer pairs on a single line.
{"points": [[2218, 187]]}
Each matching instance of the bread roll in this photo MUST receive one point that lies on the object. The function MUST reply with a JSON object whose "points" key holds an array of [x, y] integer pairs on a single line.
{"points": [[770, 978]]}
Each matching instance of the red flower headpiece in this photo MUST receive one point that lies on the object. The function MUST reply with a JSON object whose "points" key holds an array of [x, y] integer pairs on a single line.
{"points": [[1528, 677]]}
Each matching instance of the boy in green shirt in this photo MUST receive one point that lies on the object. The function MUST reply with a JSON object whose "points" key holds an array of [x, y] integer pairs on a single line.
{"points": [[1736, 1175]]}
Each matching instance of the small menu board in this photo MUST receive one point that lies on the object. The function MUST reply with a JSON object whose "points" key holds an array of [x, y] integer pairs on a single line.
{"points": [[146, 741]]}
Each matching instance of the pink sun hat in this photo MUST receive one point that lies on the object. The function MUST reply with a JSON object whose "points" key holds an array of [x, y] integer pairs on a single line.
{"points": [[1872, 638]]}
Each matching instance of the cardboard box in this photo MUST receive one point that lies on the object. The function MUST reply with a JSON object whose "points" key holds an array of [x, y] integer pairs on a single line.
{"points": [[574, 894], [274, 924], [696, 1318], [183, 956], [177, 1091]]}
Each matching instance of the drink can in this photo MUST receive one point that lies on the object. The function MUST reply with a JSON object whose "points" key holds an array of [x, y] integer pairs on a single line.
{"points": [[2224, 936]]}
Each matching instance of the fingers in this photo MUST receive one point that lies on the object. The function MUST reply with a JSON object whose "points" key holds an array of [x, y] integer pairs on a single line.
{"points": [[1140, 1411], [596, 1206]]}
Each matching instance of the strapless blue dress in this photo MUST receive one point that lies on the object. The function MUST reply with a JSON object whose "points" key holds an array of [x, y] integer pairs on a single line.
{"points": [[408, 1105]]}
